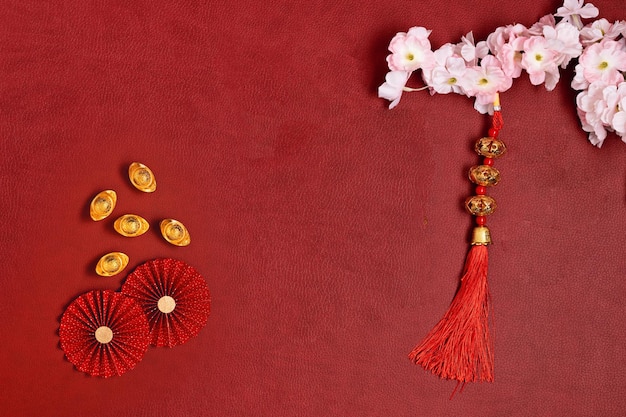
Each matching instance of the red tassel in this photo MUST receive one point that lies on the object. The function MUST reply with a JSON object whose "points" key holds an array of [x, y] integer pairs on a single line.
{"points": [[460, 346]]}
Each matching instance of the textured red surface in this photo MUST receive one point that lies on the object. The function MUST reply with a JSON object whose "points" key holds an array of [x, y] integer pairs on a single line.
{"points": [[330, 230]]}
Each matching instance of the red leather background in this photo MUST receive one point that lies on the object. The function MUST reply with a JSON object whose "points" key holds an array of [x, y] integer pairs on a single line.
{"points": [[330, 230]]}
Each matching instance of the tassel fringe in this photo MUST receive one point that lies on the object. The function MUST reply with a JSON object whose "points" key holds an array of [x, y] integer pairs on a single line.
{"points": [[460, 347]]}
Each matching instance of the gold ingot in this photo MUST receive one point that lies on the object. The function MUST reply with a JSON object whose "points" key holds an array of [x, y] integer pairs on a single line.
{"points": [[102, 204], [175, 232], [481, 236], [131, 225], [142, 177], [484, 175], [480, 205], [490, 147], [111, 264]]}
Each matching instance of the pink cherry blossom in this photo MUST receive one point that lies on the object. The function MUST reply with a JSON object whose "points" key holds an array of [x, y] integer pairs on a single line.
{"points": [[470, 51], [506, 44], [510, 56], [573, 10], [564, 40], [591, 104], [441, 56], [616, 101], [539, 61], [579, 82], [410, 51], [484, 81], [604, 61], [504, 34], [394, 85], [602, 29], [619, 119], [612, 95], [538, 28], [448, 78]]}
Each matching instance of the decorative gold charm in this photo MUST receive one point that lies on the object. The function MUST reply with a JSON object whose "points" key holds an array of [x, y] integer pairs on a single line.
{"points": [[481, 236], [480, 205], [111, 264], [484, 175], [131, 225], [175, 232], [142, 177], [102, 204], [490, 147]]}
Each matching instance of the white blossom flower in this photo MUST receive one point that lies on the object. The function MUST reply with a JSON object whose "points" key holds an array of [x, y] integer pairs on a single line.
{"points": [[605, 61], [601, 29], [573, 10], [392, 88], [410, 51], [540, 63]]}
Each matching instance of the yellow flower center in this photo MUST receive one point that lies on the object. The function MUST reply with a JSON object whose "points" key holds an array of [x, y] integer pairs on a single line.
{"points": [[410, 57], [483, 81], [603, 65]]}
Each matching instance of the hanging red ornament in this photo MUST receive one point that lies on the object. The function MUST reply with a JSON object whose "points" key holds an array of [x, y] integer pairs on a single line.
{"points": [[460, 346], [104, 333], [174, 297]]}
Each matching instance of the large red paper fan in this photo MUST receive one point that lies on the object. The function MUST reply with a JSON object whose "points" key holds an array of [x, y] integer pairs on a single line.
{"points": [[104, 333], [174, 297]]}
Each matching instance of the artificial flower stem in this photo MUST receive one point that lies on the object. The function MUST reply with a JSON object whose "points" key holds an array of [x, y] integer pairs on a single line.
{"points": [[409, 89], [576, 21]]}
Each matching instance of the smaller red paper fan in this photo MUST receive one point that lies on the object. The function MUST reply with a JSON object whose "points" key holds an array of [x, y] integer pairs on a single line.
{"points": [[174, 297], [104, 333]]}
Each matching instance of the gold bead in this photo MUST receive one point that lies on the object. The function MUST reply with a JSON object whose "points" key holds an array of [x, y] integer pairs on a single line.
{"points": [[484, 175], [102, 205], [142, 177], [175, 232], [480, 205], [111, 264], [131, 225], [490, 147]]}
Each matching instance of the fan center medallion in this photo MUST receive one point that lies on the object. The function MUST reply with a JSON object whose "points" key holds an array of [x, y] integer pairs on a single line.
{"points": [[166, 304], [104, 334]]}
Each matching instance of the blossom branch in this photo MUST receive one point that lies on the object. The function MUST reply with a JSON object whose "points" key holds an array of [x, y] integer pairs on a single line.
{"points": [[481, 69]]}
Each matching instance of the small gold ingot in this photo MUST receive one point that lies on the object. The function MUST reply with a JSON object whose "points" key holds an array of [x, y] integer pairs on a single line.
{"points": [[480, 205], [131, 225], [484, 175], [102, 205], [142, 177], [104, 334], [490, 147], [481, 236], [175, 232], [111, 264]]}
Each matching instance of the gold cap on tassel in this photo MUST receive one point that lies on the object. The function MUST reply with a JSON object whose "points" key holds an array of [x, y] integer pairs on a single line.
{"points": [[481, 236]]}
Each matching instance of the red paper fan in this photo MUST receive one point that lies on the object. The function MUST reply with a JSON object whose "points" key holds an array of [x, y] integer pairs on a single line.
{"points": [[104, 333], [174, 297]]}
